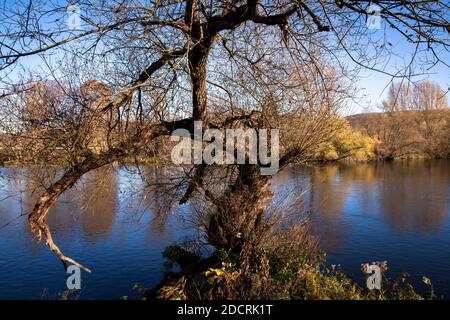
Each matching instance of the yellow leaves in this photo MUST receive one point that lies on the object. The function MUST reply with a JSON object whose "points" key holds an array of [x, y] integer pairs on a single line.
{"points": [[426, 280], [212, 271], [215, 275], [173, 292], [347, 143]]}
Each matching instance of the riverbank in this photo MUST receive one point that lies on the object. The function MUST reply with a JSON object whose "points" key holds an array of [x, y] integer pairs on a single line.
{"points": [[291, 274]]}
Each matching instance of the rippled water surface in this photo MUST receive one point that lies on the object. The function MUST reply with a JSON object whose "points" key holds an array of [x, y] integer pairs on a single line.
{"points": [[397, 212]]}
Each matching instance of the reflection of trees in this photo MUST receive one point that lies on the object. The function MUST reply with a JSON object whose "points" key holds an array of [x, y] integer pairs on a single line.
{"points": [[93, 202], [409, 195], [98, 195], [15, 197], [326, 202], [290, 182], [21, 188], [148, 199], [323, 196], [414, 195], [406, 195], [159, 196]]}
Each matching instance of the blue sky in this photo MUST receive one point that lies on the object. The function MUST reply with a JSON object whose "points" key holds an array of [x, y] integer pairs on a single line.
{"points": [[374, 85], [371, 86]]}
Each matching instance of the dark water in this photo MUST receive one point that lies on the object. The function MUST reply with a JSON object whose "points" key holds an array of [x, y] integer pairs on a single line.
{"points": [[397, 212]]}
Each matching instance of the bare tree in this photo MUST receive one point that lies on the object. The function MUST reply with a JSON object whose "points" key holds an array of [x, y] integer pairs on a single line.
{"points": [[153, 55], [413, 122]]}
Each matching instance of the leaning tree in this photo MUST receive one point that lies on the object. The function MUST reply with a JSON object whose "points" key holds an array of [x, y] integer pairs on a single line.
{"points": [[162, 65]]}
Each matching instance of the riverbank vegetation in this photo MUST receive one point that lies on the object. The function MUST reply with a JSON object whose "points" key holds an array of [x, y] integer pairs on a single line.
{"points": [[288, 277], [278, 260], [415, 122], [287, 273]]}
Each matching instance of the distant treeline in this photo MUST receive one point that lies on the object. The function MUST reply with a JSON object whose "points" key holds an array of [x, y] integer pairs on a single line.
{"points": [[406, 134], [414, 122]]}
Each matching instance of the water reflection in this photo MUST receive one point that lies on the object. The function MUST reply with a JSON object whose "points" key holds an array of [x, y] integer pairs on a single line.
{"points": [[407, 196], [98, 197], [396, 211], [418, 201]]}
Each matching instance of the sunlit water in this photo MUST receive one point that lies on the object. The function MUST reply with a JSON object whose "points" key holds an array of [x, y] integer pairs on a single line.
{"points": [[397, 212]]}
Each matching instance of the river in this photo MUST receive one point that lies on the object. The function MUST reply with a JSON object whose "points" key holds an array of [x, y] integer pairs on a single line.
{"points": [[397, 211]]}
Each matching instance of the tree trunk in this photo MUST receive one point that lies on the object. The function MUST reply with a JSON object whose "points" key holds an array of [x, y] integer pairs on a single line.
{"points": [[198, 59]]}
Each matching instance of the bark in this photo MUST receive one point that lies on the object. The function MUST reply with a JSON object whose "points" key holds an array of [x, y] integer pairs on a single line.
{"points": [[198, 59], [239, 212]]}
